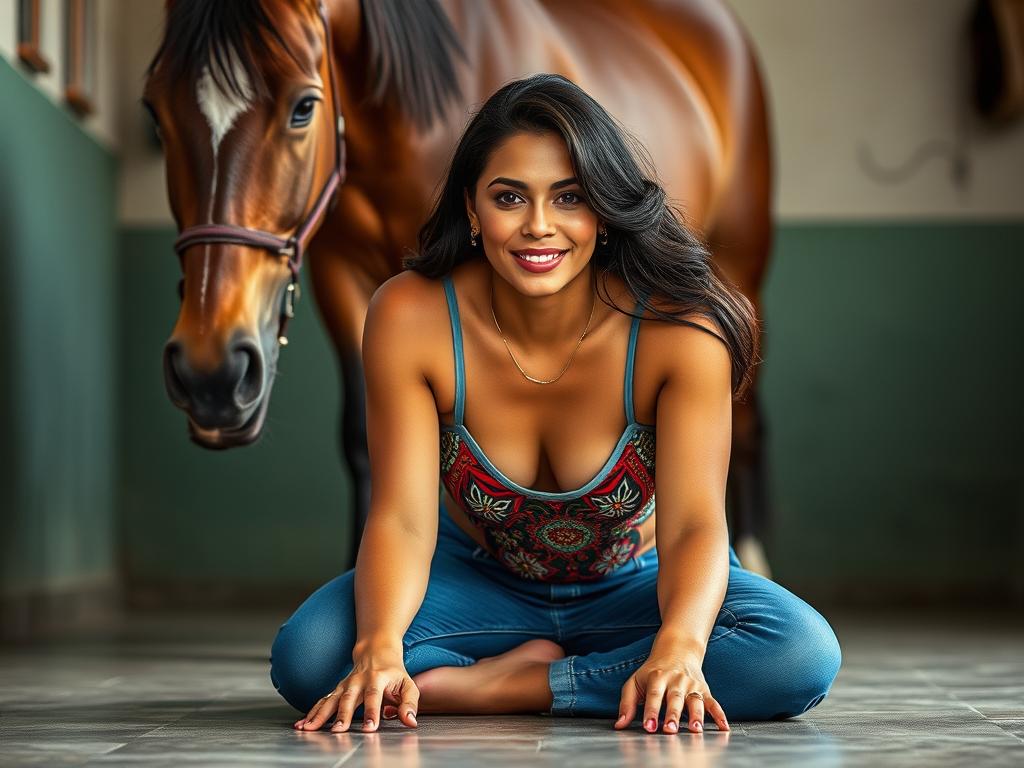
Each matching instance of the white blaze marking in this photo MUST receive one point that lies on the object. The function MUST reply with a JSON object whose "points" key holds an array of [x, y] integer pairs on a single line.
{"points": [[220, 108]]}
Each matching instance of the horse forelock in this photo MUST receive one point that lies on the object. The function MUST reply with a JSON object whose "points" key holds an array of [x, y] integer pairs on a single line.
{"points": [[222, 43]]}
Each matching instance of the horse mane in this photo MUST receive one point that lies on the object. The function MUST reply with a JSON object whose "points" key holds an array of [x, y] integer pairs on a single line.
{"points": [[411, 47]]}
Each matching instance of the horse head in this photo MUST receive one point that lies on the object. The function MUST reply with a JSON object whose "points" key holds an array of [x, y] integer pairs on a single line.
{"points": [[244, 100]]}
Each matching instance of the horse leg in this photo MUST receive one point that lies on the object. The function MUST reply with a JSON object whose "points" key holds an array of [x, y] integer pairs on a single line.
{"points": [[748, 483], [343, 293], [740, 236], [352, 435], [747, 490]]}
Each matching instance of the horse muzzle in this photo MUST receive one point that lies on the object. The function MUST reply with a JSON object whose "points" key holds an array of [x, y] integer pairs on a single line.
{"points": [[226, 404]]}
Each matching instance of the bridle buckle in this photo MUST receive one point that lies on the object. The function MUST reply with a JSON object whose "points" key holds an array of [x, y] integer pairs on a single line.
{"points": [[292, 294]]}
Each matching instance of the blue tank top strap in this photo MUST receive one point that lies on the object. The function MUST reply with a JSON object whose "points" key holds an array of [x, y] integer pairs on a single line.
{"points": [[630, 360], [460, 364]]}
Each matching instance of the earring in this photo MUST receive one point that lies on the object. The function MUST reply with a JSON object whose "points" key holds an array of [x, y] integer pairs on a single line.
{"points": [[473, 232], [604, 236]]}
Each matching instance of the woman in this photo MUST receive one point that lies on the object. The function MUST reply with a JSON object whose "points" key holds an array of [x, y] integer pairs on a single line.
{"points": [[556, 294]]}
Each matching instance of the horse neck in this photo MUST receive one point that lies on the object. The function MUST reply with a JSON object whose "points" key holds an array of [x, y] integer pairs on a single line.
{"points": [[343, 16], [370, 128]]}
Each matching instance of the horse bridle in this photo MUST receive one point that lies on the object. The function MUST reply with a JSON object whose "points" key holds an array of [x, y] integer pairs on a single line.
{"points": [[294, 246]]}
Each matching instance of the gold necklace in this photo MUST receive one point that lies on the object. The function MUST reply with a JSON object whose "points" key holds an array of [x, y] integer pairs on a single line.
{"points": [[510, 354]]}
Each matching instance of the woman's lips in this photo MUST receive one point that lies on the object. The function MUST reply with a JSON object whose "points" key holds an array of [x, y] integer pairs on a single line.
{"points": [[539, 261]]}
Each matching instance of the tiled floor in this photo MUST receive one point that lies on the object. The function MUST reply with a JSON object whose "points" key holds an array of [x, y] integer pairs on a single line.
{"points": [[911, 692]]}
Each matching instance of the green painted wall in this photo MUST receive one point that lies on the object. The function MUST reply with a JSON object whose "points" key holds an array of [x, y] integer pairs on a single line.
{"points": [[58, 365], [889, 384], [892, 382]]}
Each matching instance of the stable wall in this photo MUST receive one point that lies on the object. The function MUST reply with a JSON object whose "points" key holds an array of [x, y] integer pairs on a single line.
{"points": [[58, 309], [890, 311]]}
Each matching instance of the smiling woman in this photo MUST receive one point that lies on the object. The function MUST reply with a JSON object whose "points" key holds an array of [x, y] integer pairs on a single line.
{"points": [[649, 249], [554, 583]]}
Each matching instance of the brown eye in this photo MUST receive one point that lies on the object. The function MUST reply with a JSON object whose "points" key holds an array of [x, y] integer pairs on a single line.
{"points": [[500, 198], [303, 112]]}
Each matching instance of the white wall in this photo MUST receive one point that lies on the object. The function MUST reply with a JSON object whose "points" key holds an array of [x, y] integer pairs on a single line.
{"points": [[143, 194], [102, 124], [888, 75]]}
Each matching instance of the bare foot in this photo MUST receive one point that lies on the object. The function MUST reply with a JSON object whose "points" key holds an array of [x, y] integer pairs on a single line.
{"points": [[514, 681]]}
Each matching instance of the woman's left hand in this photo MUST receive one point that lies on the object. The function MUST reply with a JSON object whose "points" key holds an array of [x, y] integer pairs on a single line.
{"points": [[668, 679]]}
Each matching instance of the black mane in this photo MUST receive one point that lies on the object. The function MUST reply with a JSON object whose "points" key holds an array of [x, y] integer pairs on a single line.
{"points": [[411, 46]]}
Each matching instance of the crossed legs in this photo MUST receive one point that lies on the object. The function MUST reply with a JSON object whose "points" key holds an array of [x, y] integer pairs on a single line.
{"points": [[770, 654]]}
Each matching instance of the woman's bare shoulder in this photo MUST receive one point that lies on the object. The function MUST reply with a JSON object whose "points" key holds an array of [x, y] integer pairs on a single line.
{"points": [[406, 289], [408, 310], [408, 300], [692, 346]]}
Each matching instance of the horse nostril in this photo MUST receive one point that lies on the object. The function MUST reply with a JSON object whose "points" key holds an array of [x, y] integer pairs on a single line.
{"points": [[248, 358], [176, 389]]}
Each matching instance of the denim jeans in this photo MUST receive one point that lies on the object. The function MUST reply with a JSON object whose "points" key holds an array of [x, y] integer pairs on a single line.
{"points": [[770, 654]]}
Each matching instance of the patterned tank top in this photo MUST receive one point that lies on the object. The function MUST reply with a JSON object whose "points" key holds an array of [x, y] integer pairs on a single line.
{"points": [[578, 535]]}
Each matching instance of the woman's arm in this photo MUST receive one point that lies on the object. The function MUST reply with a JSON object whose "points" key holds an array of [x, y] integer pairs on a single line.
{"points": [[393, 562], [403, 438], [694, 434]]}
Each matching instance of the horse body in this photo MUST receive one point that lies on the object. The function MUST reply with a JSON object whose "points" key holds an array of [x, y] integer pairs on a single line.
{"points": [[678, 74]]}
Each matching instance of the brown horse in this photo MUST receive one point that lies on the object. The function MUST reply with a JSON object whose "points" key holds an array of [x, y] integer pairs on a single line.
{"points": [[247, 97]]}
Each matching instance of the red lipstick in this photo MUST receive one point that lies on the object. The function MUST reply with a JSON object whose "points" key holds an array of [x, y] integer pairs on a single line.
{"points": [[539, 259]]}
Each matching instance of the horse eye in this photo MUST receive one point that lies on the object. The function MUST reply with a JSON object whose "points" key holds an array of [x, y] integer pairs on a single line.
{"points": [[303, 112]]}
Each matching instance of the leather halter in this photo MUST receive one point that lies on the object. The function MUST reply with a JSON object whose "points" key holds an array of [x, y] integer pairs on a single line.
{"points": [[293, 246]]}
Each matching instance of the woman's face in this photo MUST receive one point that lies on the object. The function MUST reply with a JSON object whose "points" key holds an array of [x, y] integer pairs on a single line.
{"points": [[527, 200]]}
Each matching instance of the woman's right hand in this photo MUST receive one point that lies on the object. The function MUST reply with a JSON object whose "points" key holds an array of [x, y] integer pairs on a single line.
{"points": [[374, 680]]}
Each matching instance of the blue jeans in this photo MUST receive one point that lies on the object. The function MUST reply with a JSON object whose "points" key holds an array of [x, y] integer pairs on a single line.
{"points": [[770, 654]]}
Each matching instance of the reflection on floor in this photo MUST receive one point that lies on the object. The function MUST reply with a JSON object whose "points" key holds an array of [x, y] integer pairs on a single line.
{"points": [[911, 691]]}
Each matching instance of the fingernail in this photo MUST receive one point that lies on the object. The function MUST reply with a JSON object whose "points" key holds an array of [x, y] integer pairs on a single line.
{"points": [[698, 725], [671, 726], [651, 724], [412, 716], [368, 723]]}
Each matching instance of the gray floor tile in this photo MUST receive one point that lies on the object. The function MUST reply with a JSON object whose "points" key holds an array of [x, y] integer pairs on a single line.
{"points": [[934, 692]]}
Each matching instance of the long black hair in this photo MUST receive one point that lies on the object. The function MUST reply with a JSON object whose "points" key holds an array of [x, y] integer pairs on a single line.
{"points": [[649, 246]]}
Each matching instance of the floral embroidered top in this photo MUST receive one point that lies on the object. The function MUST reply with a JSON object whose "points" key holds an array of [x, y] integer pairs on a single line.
{"points": [[578, 535]]}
